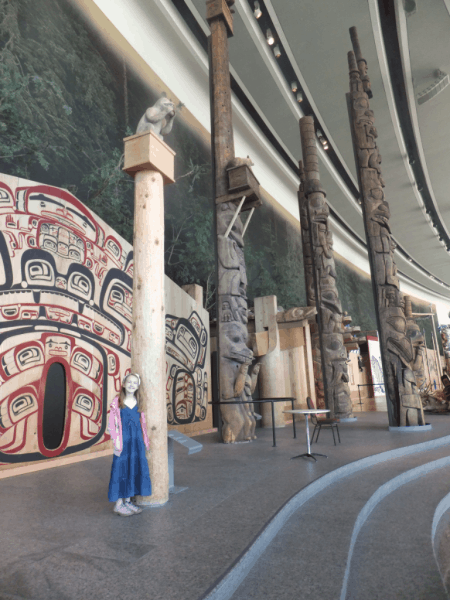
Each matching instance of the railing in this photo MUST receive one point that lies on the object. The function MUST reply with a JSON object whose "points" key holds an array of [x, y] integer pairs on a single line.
{"points": [[373, 385], [263, 401]]}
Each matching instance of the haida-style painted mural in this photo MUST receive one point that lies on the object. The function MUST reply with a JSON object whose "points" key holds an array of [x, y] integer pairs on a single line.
{"points": [[66, 299]]}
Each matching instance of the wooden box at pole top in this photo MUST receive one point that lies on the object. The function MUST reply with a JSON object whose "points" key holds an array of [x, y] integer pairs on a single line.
{"points": [[145, 152]]}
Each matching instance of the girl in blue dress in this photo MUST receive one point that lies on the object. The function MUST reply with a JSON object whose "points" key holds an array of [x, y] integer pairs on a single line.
{"points": [[129, 473]]}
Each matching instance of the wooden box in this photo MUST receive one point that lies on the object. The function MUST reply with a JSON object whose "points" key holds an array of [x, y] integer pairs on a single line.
{"points": [[242, 182], [219, 8], [147, 151]]}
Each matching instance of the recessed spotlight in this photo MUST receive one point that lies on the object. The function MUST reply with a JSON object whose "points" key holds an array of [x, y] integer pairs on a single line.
{"points": [[269, 37], [257, 12], [277, 51], [299, 97]]}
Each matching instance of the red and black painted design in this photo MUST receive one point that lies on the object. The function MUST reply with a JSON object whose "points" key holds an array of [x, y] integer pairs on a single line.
{"points": [[66, 294]]}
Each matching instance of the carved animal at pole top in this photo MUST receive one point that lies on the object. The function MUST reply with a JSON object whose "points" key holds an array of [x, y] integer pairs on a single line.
{"points": [[397, 354], [329, 326], [158, 118]]}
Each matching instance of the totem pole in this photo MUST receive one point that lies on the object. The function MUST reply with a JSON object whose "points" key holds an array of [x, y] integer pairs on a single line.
{"points": [[397, 355], [235, 190], [320, 276], [309, 285], [416, 337], [445, 337]]}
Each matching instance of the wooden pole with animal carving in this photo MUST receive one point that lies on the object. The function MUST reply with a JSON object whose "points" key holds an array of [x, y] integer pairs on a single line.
{"points": [[329, 310], [397, 353], [309, 285], [151, 161], [235, 190]]}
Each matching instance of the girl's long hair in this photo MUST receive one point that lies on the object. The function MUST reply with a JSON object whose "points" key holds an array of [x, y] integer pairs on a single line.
{"points": [[122, 394]]}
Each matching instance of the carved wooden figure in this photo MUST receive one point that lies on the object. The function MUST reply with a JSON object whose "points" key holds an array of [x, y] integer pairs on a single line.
{"points": [[233, 181], [309, 285], [322, 267], [397, 355]]}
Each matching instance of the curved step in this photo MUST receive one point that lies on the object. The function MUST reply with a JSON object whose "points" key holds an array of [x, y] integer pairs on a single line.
{"points": [[226, 587], [391, 554]]}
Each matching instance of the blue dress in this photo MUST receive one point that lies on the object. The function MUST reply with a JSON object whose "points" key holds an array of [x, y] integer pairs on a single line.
{"points": [[129, 473]]}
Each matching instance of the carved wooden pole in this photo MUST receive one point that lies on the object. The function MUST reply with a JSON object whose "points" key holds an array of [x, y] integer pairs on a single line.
{"points": [[397, 355], [151, 162], [329, 309], [233, 181], [417, 339], [309, 285]]}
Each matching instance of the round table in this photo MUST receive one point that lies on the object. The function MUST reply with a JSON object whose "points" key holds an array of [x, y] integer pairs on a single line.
{"points": [[307, 412]]}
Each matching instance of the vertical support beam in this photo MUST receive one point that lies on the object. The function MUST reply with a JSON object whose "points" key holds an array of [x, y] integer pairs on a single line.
{"points": [[310, 294], [403, 400], [329, 310], [234, 357], [148, 354]]}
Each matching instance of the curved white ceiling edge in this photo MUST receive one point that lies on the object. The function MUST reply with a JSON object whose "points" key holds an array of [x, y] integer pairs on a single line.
{"points": [[382, 61], [186, 75], [304, 86], [280, 81], [402, 32]]}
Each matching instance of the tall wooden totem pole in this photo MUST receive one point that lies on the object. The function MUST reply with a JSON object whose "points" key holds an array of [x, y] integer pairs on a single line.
{"points": [[397, 351], [235, 190], [330, 354]]}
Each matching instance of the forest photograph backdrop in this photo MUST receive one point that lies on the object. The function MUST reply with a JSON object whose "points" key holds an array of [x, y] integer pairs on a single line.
{"points": [[67, 100]]}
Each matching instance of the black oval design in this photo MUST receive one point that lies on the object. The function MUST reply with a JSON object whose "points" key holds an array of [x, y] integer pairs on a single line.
{"points": [[54, 414]]}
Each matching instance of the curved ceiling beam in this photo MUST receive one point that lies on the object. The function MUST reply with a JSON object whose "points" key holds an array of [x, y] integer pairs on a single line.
{"points": [[389, 23], [254, 29]]}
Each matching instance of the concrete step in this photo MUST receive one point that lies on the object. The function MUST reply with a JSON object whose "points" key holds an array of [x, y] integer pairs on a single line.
{"points": [[308, 557]]}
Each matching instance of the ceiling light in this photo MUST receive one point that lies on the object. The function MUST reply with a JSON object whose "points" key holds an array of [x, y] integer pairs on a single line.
{"points": [[410, 7], [411, 160], [294, 86], [299, 97], [277, 51], [257, 12], [419, 188], [322, 140], [269, 37]]}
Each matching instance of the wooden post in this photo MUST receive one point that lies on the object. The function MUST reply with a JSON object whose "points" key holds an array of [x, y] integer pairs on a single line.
{"points": [[322, 271], [151, 161], [397, 355], [233, 179]]}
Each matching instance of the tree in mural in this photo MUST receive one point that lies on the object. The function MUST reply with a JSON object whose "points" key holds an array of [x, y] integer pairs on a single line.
{"points": [[59, 107]]}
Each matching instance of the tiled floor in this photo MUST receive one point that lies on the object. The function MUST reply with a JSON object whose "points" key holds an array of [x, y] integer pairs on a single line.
{"points": [[60, 539]]}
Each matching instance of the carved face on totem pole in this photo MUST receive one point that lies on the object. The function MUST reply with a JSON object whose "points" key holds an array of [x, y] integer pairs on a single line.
{"points": [[233, 278]]}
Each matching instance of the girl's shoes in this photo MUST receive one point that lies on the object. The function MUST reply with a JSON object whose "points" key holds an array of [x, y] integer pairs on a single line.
{"points": [[123, 511], [135, 509]]}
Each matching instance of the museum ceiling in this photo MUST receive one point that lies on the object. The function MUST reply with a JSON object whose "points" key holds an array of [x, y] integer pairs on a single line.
{"points": [[407, 47]]}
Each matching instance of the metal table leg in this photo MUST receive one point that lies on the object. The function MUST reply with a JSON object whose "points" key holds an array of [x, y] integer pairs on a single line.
{"points": [[273, 427], [308, 454], [293, 420]]}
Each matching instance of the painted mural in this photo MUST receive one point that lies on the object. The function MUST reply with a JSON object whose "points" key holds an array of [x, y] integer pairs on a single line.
{"points": [[66, 299]]}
